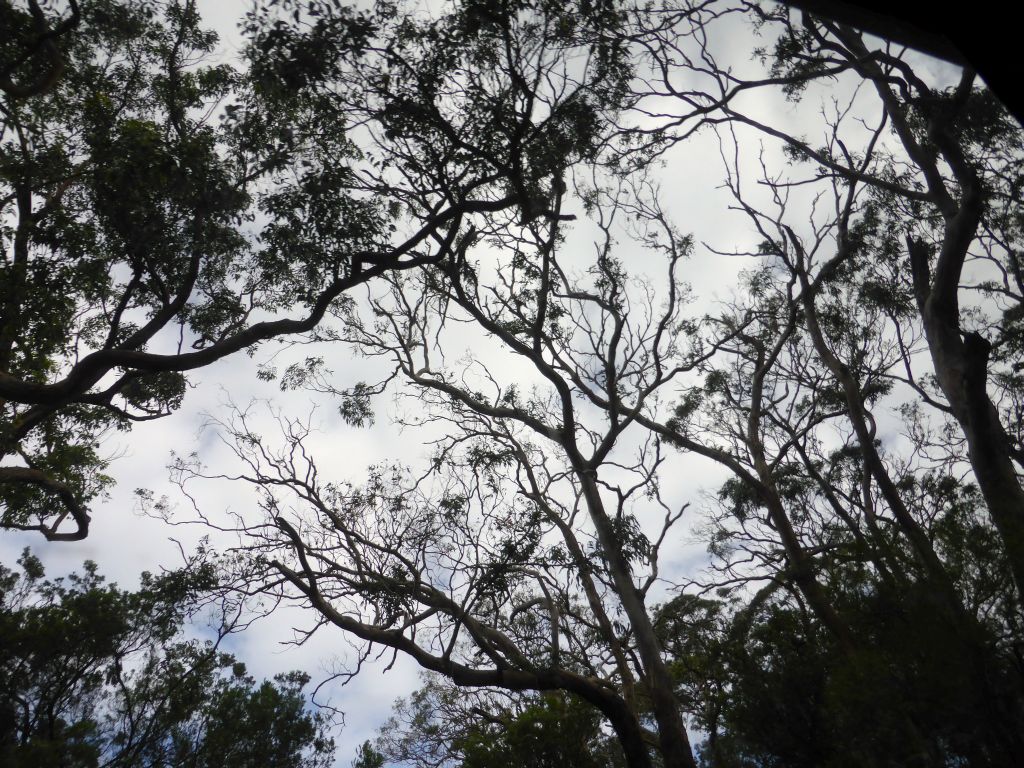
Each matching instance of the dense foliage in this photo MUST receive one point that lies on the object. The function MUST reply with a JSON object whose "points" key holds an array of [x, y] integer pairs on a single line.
{"points": [[441, 725], [92, 675]]}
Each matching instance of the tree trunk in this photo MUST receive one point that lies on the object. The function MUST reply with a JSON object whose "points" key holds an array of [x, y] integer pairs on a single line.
{"points": [[961, 367], [674, 743]]}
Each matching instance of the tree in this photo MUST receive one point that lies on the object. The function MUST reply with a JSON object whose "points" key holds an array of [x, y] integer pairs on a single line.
{"points": [[368, 757], [769, 685], [944, 214], [840, 311], [392, 533], [440, 725], [32, 49], [162, 212], [93, 675]]}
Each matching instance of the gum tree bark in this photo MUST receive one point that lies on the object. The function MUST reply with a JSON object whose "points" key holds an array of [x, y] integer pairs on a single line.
{"points": [[960, 357]]}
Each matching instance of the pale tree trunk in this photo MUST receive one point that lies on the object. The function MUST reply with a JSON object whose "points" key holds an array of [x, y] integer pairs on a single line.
{"points": [[961, 367], [672, 737], [960, 358]]}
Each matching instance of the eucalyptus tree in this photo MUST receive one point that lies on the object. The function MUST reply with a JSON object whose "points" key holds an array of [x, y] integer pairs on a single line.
{"points": [[940, 160], [957, 208], [452, 569], [162, 211], [517, 560], [885, 290], [874, 514], [126, 256]]}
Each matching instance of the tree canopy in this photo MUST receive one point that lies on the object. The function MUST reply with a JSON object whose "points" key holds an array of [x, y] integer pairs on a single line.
{"points": [[92, 675], [483, 198]]}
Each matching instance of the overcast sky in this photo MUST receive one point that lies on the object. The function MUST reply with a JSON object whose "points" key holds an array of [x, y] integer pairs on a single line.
{"points": [[124, 543]]}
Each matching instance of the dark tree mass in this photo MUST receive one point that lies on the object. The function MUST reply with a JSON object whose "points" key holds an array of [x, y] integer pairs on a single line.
{"points": [[494, 213], [92, 675]]}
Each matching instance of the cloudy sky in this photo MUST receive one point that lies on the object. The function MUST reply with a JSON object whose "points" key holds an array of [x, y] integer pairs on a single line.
{"points": [[125, 543]]}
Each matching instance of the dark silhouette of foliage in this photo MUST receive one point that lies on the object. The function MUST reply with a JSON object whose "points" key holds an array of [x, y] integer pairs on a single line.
{"points": [[442, 726], [92, 675]]}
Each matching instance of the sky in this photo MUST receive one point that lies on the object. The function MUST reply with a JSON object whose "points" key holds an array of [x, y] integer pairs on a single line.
{"points": [[125, 542]]}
